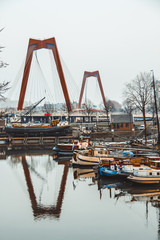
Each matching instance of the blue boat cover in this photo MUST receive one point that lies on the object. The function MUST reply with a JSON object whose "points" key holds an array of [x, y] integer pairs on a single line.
{"points": [[128, 153]]}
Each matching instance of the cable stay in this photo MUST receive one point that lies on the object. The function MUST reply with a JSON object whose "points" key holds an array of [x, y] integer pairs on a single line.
{"points": [[36, 173], [86, 99], [37, 86], [95, 93], [73, 88], [55, 83], [14, 90], [46, 89]]}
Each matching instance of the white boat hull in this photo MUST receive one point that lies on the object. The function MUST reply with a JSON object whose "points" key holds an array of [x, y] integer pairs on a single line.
{"points": [[144, 180], [84, 160]]}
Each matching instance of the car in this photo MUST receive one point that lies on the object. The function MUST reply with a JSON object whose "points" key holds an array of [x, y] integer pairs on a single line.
{"points": [[141, 127]]}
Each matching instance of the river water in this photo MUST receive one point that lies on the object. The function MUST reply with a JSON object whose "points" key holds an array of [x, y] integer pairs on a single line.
{"points": [[42, 198]]}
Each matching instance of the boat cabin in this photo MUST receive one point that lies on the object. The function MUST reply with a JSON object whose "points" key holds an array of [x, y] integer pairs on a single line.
{"points": [[98, 152], [155, 164]]}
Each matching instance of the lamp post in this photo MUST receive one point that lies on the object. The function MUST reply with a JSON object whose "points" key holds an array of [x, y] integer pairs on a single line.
{"points": [[155, 102], [133, 132], [112, 130]]}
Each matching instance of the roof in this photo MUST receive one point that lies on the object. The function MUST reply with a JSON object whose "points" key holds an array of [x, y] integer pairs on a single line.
{"points": [[121, 118]]}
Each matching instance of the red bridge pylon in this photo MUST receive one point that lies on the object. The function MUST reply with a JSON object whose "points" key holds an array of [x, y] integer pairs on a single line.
{"points": [[97, 75], [34, 45]]}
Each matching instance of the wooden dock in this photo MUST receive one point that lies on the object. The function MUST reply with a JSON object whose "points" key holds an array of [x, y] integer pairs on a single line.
{"points": [[41, 140]]}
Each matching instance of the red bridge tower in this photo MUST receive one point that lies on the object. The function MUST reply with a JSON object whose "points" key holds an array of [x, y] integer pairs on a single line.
{"points": [[92, 74], [35, 45]]}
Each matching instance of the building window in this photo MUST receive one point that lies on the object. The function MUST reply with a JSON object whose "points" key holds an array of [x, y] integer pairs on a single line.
{"points": [[121, 125], [117, 125], [127, 124]]}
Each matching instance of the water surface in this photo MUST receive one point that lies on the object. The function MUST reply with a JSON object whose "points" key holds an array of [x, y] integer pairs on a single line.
{"points": [[42, 198]]}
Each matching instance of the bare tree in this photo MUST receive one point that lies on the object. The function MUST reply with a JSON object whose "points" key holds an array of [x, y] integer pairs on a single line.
{"points": [[112, 105], [48, 108], [2, 63], [3, 86], [127, 106], [138, 94], [64, 109], [88, 108]]}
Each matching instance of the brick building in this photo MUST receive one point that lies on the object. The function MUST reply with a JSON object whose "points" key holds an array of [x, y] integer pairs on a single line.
{"points": [[121, 122]]}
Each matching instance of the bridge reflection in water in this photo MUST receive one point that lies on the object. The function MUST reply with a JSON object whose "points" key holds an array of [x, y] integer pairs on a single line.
{"points": [[89, 201], [40, 210]]}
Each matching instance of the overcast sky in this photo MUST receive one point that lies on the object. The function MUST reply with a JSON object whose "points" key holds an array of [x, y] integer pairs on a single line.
{"points": [[120, 38]]}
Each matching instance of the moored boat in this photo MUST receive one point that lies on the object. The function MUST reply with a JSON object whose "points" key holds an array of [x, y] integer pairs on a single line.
{"points": [[129, 168], [109, 172], [90, 157], [147, 176], [107, 156], [68, 147], [116, 169], [32, 129]]}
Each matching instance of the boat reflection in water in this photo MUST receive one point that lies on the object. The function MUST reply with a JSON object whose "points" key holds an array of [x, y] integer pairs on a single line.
{"points": [[121, 186], [84, 174], [40, 177], [137, 192], [132, 193]]}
